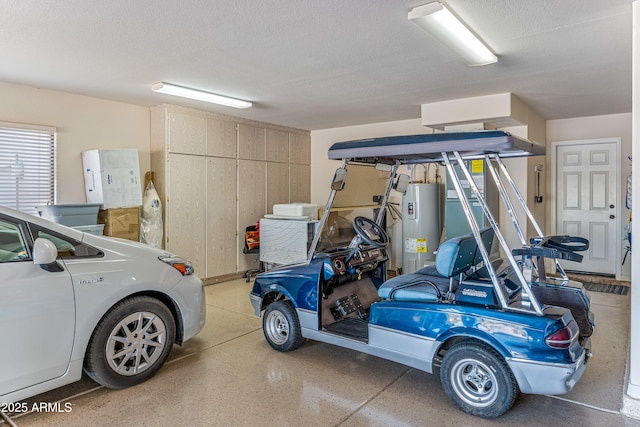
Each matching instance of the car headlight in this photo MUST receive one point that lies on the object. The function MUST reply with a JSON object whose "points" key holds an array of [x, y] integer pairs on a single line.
{"points": [[182, 265]]}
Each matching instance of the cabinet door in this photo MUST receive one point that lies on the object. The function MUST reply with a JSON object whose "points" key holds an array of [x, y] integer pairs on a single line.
{"points": [[186, 205], [300, 188], [277, 146], [222, 138], [187, 133], [251, 204], [222, 243], [277, 184], [300, 149], [251, 142]]}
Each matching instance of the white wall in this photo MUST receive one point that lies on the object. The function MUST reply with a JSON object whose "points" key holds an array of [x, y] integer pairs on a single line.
{"points": [[82, 123], [632, 406], [596, 127], [614, 125]]}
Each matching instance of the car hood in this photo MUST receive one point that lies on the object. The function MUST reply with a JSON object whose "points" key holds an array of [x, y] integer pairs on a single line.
{"points": [[123, 246]]}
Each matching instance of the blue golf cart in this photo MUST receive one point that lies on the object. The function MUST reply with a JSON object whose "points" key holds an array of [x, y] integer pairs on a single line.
{"points": [[490, 326]]}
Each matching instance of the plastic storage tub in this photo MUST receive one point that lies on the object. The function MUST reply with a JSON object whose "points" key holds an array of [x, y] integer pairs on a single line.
{"points": [[70, 215]]}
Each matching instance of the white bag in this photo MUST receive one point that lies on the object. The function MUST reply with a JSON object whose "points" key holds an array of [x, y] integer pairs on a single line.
{"points": [[151, 218]]}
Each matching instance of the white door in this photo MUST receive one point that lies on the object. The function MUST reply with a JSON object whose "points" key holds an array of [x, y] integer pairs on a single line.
{"points": [[587, 201], [37, 315]]}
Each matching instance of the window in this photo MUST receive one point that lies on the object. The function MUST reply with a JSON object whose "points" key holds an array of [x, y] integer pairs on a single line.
{"points": [[27, 166], [67, 247], [12, 247]]}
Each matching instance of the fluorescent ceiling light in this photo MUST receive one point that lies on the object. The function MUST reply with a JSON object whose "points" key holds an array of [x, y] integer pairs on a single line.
{"points": [[438, 21], [199, 95]]}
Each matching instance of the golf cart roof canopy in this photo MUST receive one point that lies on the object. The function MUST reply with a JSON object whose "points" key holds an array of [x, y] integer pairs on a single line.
{"points": [[428, 148]]}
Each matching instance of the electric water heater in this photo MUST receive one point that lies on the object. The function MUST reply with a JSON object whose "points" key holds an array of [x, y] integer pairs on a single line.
{"points": [[420, 226]]}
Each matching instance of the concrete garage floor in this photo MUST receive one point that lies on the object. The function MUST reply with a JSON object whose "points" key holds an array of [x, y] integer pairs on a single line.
{"points": [[228, 375]]}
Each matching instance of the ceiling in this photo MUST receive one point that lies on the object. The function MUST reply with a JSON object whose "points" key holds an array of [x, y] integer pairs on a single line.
{"points": [[312, 64]]}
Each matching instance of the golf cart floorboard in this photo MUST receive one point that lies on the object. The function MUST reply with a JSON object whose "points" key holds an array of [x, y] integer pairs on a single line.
{"points": [[351, 328]]}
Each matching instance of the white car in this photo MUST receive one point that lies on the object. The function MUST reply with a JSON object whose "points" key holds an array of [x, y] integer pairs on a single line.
{"points": [[72, 301]]}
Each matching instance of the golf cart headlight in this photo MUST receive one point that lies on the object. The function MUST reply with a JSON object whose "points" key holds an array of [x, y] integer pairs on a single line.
{"points": [[182, 265]]}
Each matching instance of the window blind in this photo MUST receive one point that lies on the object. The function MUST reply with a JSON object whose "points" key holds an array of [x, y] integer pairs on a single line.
{"points": [[27, 166]]}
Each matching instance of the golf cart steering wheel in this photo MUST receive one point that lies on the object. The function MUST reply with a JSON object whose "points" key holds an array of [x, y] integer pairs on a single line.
{"points": [[370, 232]]}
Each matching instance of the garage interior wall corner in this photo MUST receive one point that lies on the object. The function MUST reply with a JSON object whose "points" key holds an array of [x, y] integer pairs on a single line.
{"points": [[633, 389]]}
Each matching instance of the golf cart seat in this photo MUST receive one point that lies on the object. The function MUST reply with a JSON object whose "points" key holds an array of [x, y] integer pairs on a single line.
{"points": [[454, 257], [477, 270]]}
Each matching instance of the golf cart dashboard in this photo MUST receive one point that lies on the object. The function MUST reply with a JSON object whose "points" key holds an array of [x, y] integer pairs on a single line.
{"points": [[368, 256], [366, 259]]}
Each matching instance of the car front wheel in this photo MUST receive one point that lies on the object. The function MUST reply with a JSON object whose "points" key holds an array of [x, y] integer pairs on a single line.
{"points": [[478, 380], [281, 326], [131, 342]]}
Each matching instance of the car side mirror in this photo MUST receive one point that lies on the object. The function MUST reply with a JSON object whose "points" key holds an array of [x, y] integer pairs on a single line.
{"points": [[44, 252], [402, 183], [338, 179]]}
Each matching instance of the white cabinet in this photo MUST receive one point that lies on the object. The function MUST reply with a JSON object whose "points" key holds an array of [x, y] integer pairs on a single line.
{"points": [[222, 189], [299, 167], [222, 138], [277, 184], [277, 143], [251, 142], [299, 180], [187, 133], [185, 209], [251, 204], [218, 174]]}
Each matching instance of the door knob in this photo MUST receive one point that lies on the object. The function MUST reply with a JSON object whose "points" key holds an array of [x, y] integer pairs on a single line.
{"points": [[612, 216], [611, 206]]}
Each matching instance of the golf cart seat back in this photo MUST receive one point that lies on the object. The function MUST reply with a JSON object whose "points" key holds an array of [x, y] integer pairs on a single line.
{"points": [[454, 258], [487, 235], [477, 268], [457, 255]]}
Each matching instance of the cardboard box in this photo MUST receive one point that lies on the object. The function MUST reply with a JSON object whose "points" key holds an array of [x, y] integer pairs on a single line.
{"points": [[121, 222], [112, 177]]}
